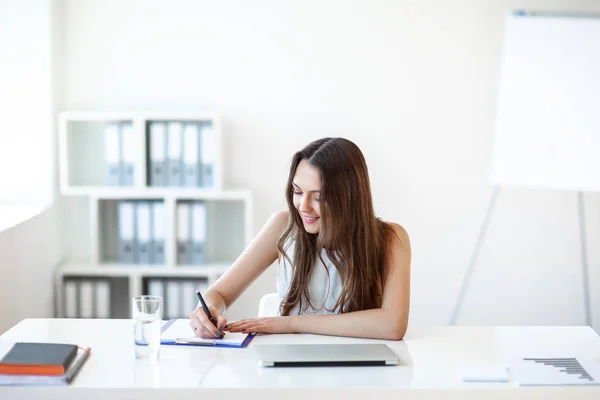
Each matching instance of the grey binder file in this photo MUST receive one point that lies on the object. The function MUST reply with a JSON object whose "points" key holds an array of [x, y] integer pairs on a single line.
{"points": [[174, 298], [158, 154], [102, 293], [198, 248], [190, 155], [127, 245], [112, 154], [155, 287], [183, 233], [128, 145], [157, 243], [189, 303], [86, 299], [71, 299], [174, 149], [208, 155], [143, 232]]}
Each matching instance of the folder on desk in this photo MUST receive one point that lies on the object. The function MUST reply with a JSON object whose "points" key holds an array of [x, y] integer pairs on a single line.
{"points": [[51, 356], [178, 332], [157, 243], [128, 141], [158, 154], [208, 156], [174, 149], [190, 155], [112, 154]]}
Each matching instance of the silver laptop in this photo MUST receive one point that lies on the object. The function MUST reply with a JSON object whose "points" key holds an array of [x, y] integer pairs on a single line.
{"points": [[313, 355]]}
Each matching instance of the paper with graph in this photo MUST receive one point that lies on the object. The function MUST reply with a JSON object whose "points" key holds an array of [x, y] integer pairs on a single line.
{"points": [[529, 371]]}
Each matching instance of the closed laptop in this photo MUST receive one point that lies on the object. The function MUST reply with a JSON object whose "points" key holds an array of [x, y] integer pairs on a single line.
{"points": [[313, 355]]}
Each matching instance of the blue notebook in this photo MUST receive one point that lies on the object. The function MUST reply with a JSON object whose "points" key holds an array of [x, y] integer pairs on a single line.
{"points": [[178, 332]]}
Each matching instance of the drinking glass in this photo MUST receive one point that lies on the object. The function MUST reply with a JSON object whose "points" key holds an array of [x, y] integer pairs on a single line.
{"points": [[147, 317]]}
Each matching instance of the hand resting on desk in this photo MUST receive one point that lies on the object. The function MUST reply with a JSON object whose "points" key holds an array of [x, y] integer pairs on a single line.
{"points": [[262, 325]]}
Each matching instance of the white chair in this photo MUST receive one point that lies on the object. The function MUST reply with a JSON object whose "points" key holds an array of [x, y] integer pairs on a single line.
{"points": [[269, 305]]}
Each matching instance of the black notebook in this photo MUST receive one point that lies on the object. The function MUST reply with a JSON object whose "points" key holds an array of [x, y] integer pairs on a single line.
{"points": [[49, 359]]}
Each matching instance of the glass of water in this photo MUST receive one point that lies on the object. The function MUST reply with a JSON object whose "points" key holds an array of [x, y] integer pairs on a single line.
{"points": [[147, 315]]}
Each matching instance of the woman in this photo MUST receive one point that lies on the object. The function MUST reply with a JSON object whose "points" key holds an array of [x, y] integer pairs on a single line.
{"points": [[342, 271]]}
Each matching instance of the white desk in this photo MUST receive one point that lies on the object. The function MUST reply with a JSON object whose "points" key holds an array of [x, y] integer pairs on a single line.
{"points": [[430, 360]]}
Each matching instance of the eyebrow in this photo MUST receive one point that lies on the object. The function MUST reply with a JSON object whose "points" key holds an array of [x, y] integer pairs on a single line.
{"points": [[310, 191]]}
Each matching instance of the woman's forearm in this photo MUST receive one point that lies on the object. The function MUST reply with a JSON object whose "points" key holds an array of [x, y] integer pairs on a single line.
{"points": [[214, 298], [375, 324]]}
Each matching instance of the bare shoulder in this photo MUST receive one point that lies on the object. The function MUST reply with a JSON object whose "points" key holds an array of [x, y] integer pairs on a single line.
{"points": [[398, 249], [398, 238], [277, 222], [279, 218]]}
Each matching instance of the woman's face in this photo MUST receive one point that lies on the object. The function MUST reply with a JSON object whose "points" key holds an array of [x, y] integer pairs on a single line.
{"points": [[306, 188]]}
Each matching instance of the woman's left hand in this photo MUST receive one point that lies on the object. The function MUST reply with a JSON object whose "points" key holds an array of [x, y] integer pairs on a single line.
{"points": [[262, 325]]}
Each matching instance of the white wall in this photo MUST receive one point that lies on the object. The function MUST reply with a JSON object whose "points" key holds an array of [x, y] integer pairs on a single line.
{"points": [[30, 246], [26, 119], [413, 83], [28, 254]]}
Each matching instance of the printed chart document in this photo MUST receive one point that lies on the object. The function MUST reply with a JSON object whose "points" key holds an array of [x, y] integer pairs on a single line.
{"points": [[529, 371]]}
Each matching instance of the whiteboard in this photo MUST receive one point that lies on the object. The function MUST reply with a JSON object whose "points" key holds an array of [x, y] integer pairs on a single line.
{"points": [[548, 113]]}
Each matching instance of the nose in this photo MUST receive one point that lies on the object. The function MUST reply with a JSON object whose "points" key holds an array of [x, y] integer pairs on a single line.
{"points": [[305, 205]]}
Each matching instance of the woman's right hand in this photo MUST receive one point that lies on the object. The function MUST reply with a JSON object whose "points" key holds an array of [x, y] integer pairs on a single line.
{"points": [[202, 326]]}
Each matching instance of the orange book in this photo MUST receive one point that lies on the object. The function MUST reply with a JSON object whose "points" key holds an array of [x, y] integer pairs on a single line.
{"points": [[48, 359]]}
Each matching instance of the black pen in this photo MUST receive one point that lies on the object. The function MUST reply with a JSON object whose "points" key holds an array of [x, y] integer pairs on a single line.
{"points": [[206, 310]]}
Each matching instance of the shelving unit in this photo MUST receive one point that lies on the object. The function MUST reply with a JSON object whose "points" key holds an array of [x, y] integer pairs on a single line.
{"points": [[85, 160]]}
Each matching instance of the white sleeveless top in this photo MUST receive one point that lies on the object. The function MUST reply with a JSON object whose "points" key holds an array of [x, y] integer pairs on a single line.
{"points": [[324, 288]]}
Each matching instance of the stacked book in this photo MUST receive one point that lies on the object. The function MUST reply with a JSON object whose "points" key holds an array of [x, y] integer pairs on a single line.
{"points": [[40, 364]]}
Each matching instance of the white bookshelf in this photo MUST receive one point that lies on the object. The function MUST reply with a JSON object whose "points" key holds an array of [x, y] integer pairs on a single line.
{"points": [[83, 175]]}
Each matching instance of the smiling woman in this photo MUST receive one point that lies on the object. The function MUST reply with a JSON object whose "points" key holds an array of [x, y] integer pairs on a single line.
{"points": [[341, 270]]}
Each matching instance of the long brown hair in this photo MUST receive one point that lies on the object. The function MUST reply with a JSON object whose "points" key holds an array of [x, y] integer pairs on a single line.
{"points": [[353, 238]]}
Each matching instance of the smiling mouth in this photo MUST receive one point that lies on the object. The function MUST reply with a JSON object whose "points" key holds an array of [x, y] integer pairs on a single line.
{"points": [[309, 220]]}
